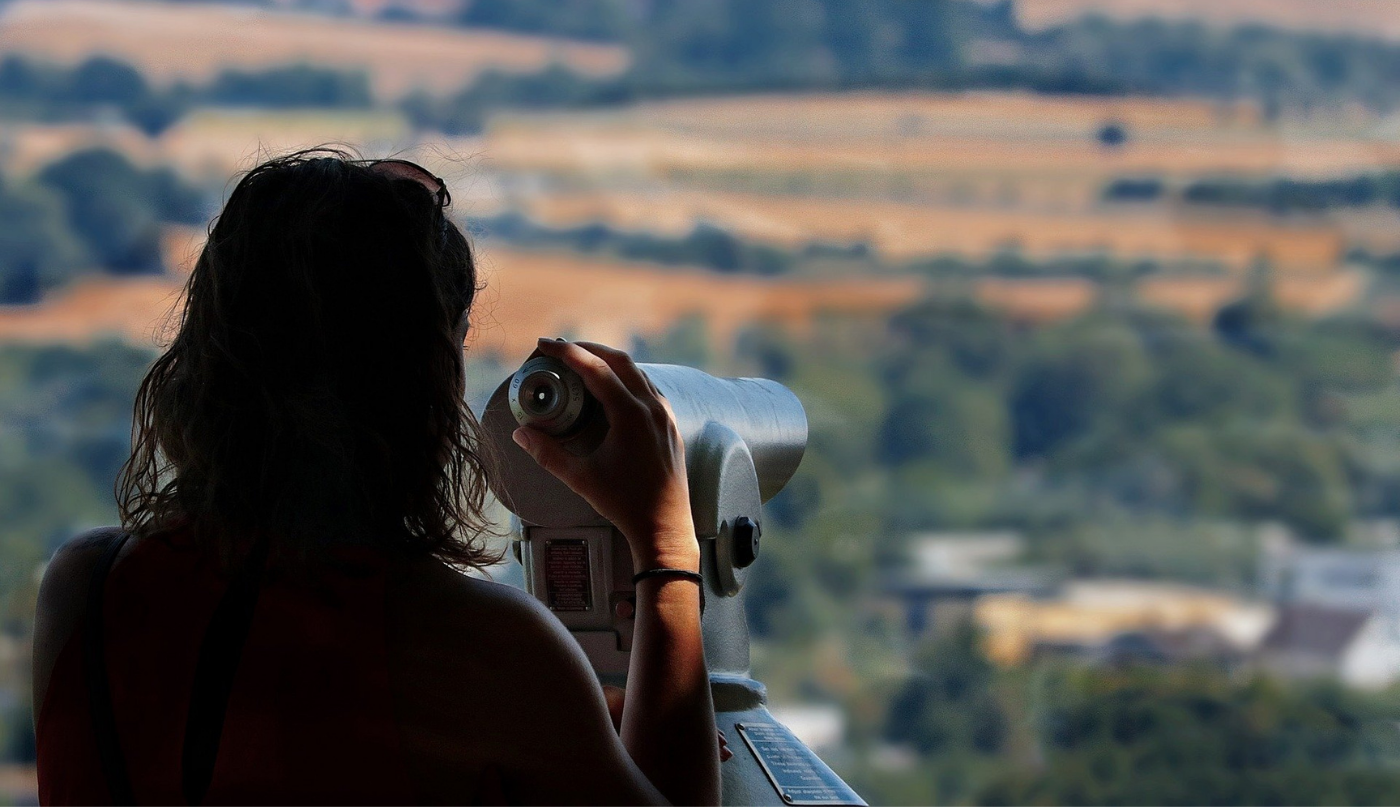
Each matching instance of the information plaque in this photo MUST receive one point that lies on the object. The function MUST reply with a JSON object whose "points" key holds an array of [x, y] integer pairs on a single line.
{"points": [[566, 582], [798, 775]]}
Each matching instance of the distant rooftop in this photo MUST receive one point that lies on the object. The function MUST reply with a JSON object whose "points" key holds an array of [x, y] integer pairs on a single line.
{"points": [[1315, 629]]}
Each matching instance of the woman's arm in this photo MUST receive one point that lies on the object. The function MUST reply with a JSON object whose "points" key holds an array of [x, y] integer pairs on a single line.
{"points": [[636, 479], [668, 720]]}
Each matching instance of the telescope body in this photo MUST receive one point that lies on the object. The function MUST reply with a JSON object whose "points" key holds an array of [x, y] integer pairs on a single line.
{"points": [[744, 438], [763, 414]]}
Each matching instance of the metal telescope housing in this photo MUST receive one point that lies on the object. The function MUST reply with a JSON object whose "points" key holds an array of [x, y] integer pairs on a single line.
{"points": [[744, 438]]}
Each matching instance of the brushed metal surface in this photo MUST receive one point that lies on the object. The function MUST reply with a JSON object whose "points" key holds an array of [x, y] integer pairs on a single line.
{"points": [[765, 414]]}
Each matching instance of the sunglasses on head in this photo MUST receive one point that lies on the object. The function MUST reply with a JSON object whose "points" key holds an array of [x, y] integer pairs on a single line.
{"points": [[404, 169]]}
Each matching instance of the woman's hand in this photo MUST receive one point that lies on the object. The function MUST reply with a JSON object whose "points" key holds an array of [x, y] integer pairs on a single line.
{"points": [[636, 477], [617, 698]]}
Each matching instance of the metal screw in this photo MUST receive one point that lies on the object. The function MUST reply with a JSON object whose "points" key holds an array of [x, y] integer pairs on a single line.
{"points": [[746, 533]]}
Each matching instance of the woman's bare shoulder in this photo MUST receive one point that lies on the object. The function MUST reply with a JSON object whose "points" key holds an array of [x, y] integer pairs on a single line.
{"points": [[63, 600], [472, 635], [429, 598], [484, 674]]}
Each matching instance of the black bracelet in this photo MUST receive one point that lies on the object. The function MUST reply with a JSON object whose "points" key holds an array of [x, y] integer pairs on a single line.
{"points": [[687, 574]]}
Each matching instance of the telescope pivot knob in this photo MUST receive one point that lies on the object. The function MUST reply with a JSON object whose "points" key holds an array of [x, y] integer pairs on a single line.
{"points": [[746, 535]]}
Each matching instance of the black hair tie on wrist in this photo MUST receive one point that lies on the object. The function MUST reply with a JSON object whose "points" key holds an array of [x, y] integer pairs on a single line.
{"points": [[686, 573]]}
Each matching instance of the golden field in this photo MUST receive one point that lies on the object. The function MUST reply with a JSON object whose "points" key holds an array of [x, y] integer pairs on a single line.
{"points": [[916, 176], [207, 145], [980, 135], [195, 41], [901, 231], [533, 293], [527, 295]]}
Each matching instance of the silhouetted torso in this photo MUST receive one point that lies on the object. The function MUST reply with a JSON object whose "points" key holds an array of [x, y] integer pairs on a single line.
{"points": [[311, 718]]}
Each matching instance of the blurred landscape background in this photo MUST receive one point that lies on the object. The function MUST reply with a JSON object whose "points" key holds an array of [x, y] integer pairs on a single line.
{"points": [[1094, 306]]}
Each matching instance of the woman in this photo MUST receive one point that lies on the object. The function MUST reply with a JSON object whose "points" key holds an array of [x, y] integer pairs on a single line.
{"points": [[280, 617]]}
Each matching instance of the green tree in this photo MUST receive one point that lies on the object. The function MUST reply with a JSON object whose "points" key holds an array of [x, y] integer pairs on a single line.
{"points": [[1077, 379], [103, 80], [948, 705], [37, 249], [117, 208], [1196, 736]]}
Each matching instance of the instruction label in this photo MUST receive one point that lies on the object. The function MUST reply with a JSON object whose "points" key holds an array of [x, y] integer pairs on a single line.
{"points": [[798, 775], [567, 584]]}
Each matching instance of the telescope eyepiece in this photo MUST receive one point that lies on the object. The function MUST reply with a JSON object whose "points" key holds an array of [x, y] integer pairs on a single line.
{"points": [[540, 394], [547, 395]]}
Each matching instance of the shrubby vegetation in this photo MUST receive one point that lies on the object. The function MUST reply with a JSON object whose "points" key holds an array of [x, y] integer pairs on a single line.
{"points": [[91, 210], [38, 91], [1124, 442], [709, 46], [1067, 734], [577, 19], [38, 249], [718, 249], [285, 87], [714, 45], [706, 246], [1280, 196], [466, 111], [116, 208]]}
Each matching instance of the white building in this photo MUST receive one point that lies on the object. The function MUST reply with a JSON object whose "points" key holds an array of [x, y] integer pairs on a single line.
{"points": [[1358, 647], [1339, 609]]}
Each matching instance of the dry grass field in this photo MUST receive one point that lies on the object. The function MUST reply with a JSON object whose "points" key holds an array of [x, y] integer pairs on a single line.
{"points": [[972, 134], [528, 294], [1366, 17], [193, 41], [914, 175], [531, 294], [873, 115], [1197, 298], [1037, 300], [924, 174], [901, 231], [209, 144]]}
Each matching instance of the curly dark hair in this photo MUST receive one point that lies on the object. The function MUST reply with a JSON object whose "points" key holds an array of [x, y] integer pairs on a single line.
{"points": [[314, 393]]}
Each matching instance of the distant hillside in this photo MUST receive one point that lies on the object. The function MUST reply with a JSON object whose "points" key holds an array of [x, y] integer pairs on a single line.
{"points": [[528, 294], [193, 42], [1367, 17]]}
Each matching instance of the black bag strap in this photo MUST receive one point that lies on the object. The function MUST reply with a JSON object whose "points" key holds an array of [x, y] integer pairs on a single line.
{"points": [[104, 723], [214, 672], [219, 654]]}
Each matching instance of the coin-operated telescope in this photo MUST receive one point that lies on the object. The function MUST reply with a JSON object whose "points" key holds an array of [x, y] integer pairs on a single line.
{"points": [[744, 438]]}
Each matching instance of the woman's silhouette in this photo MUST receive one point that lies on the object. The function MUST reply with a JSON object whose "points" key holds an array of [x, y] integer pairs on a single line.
{"points": [[278, 618]]}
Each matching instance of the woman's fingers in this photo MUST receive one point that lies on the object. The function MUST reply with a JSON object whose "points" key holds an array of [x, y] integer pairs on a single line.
{"points": [[546, 451], [597, 375], [626, 369]]}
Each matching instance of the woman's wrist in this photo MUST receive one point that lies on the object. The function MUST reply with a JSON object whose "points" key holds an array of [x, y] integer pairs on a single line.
{"points": [[666, 551]]}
